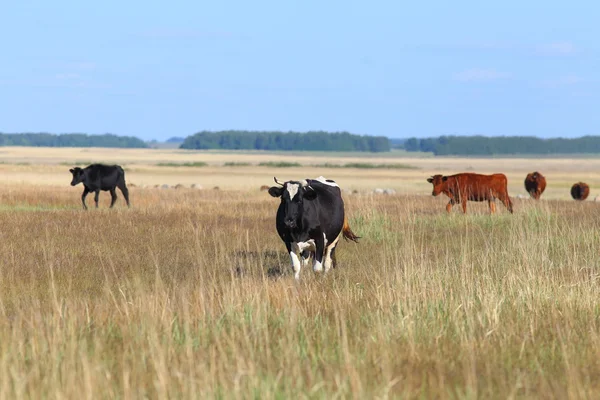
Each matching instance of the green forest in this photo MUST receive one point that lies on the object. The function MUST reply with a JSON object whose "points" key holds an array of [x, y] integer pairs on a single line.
{"points": [[502, 145], [69, 140], [275, 140]]}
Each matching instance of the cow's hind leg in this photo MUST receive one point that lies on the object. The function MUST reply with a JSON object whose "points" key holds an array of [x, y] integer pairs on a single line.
{"points": [[306, 257], [492, 204], [125, 191], [113, 197], [83, 195], [505, 199], [328, 262], [319, 251], [96, 197], [333, 258], [463, 203]]}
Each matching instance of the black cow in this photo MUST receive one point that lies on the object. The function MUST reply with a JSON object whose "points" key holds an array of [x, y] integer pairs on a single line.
{"points": [[97, 177], [310, 221]]}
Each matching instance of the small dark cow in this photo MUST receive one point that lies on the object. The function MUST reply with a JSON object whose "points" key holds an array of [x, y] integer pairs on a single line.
{"points": [[535, 184], [310, 220], [97, 177], [475, 187], [580, 191]]}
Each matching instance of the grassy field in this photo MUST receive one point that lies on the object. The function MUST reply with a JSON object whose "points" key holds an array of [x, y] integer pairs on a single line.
{"points": [[189, 294]]}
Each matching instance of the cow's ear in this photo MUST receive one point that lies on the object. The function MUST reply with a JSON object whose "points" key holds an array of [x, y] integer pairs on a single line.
{"points": [[310, 193], [444, 178], [275, 191], [71, 170], [430, 180]]}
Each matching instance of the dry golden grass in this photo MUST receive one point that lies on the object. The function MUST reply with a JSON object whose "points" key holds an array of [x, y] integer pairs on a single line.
{"points": [[188, 295]]}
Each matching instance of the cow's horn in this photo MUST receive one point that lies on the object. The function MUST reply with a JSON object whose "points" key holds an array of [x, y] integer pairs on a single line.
{"points": [[277, 182]]}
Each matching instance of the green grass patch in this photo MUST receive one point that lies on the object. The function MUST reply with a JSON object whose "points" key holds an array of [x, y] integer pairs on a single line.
{"points": [[14, 163], [367, 166], [236, 164], [186, 164], [279, 164], [78, 162]]}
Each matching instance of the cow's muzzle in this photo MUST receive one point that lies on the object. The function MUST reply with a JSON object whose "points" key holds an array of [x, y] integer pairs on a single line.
{"points": [[290, 223]]}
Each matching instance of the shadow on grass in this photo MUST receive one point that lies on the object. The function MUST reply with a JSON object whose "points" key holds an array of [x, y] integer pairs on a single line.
{"points": [[248, 260]]}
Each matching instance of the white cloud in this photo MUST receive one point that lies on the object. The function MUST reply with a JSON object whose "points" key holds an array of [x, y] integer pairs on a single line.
{"points": [[480, 75], [561, 48]]}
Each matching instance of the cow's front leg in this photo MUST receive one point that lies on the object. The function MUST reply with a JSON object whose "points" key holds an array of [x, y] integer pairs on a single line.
{"points": [[83, 195], [296, 266], [96, 197], [449, 205], [319, 250]]}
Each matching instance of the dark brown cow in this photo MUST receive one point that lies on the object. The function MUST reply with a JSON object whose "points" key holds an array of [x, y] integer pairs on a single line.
{"points": [[535, 184], [475, 187], [580, 191]]}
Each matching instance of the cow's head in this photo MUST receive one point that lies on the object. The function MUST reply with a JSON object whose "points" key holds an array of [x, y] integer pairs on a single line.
{"points": [[293, 194], [439, 184], [77, 175]]}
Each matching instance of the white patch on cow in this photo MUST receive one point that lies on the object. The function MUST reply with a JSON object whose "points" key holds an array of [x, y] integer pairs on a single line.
{"points": [[299, 247], [317, 266], [295, 264], [326, 182], [304, 182], [292, 189]]}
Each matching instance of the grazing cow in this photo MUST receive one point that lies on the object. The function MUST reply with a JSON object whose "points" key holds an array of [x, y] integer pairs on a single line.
{"points": [[535, 184], [580, 191], [475, 187], [310, 220], [97, 177]]}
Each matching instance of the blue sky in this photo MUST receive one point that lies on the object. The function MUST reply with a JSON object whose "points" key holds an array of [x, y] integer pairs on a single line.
{"points": [[160, 69]]}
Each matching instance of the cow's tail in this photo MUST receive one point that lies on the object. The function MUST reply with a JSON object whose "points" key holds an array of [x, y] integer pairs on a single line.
{"points": [[347, 232]]}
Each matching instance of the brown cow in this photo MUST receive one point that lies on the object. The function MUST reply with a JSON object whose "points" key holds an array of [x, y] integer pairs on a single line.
{"points": [[264, 188], [580, 191], [535, 184], [475, 187]]}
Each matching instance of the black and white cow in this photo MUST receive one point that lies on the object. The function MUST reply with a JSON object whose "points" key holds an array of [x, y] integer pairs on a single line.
{"points": [[310, 221], [97, 177]]}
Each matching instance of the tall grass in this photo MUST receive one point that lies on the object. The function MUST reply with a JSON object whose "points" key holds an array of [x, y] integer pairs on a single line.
{"points": [[183, 296]]}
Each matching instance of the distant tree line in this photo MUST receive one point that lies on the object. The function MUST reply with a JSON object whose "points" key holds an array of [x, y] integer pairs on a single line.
{"points": [[488, 146], [275, 140], [69, 140]]}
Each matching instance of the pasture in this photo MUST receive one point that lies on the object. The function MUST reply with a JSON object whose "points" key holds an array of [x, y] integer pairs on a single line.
{"points": [[189, 293]]}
